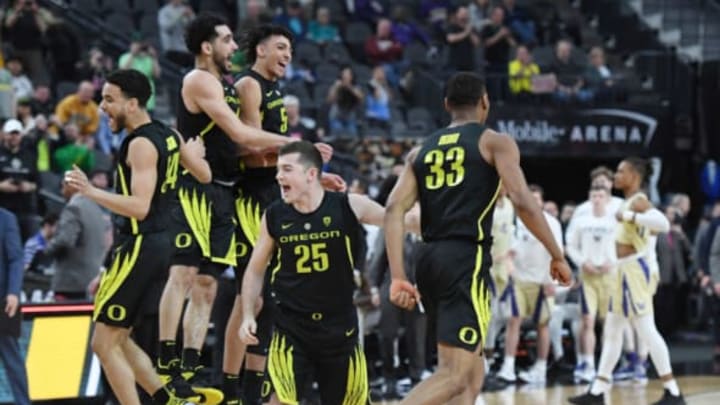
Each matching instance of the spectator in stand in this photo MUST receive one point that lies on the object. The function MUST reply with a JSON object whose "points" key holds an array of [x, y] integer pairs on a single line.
{"points": [[520, 71], [42, 102], [520, 23], [479, 14], [436, 13], [299, 127], [321, 30], [38, 265], [569, 75], [367, 10], [64, 51], [94, 69], [404, 30], [673, 257], [377, 101], [18, 177], [77, 151], [78, 246], [462, 41], [79, 109], [25, 24], [497, 40], [293, 17], [143, 58], [43, 143], [25, 115], [7, 95], [22, 86], [172, 19], [344, 97], [11, 275], [598, 77], [382, 48]]}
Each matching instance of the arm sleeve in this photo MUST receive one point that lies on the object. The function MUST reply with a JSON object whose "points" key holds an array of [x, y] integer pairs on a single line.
{"points": [[573, 245], [14, 251], [654, 220]]}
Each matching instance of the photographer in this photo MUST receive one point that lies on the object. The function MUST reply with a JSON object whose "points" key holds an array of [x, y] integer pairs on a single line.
{"points": [[143, 58], [377, 102], [25, 23], [18, 177]]}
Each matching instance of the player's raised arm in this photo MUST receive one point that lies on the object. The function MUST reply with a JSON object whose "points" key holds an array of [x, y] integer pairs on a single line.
{"points": [[371, 213], [501, 151], [206, 93]]}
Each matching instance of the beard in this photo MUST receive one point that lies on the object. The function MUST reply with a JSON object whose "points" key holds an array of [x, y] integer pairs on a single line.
{"points": [[220, 63], [119, 122]]}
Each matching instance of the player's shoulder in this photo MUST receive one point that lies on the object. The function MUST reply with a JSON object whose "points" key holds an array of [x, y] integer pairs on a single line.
{"points": [[198, 79]]}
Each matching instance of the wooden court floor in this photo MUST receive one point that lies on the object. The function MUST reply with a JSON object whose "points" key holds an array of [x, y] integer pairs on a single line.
{"points": [[698, 390]]}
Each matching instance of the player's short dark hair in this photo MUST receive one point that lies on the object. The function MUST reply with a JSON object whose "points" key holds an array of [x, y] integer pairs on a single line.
{"points": [[641, 166], [601, 171], [464, 89], [201, 29], [50, 218], [254, 36], [132, 84], [309, 155]]}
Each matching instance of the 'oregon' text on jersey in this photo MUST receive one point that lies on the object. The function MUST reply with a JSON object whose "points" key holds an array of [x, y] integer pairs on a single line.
{"points": [[457, 187], [316, 255]]}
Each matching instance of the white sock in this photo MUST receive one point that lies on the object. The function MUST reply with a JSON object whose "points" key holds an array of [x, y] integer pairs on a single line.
{"points": [[672, 386], [599, 387], [589, 359], [541, 365], [612, 345], [509, 364]]}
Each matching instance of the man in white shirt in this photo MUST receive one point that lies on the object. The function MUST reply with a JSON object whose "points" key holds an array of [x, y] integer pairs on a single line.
{"points": [[591, 246], [531, 296]]}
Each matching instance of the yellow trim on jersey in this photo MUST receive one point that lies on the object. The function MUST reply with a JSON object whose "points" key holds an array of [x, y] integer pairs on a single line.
{"points": [[277, 266], [112, 279], [356, 390], [481, 234], [211, 124], [248, 213], [348, 245], [126, 192], [280, 367], [480, 296], [197, 213]]}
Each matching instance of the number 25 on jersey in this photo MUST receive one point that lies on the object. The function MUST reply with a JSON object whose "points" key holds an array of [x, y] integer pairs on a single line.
{"points": [[445, 166]]}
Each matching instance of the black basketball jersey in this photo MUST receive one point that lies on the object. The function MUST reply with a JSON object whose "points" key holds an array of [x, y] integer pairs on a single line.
{"points": [[316, 255], [167, 144], [272, 110], [221, 152], [457, 187]]}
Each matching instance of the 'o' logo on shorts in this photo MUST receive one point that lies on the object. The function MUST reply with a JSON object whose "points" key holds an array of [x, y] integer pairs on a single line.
{"points": [[265, 392], [116, 312], [241, 249], [468, 335], [316, 316], [183, 240]]}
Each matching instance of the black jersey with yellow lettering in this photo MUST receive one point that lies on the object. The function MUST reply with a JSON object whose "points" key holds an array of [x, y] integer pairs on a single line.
{"points": [[272, 110], [167, 144], [457, 187], [316, 255], [221, 152]]}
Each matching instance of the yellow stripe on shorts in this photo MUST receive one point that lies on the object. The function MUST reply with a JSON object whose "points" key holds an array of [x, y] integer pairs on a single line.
{"points": [[280, 367], [356, 391], [116, 276]]}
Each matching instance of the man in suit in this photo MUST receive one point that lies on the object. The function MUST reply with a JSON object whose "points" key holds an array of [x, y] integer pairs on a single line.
{"points": [[78, 247], [11, 273]]}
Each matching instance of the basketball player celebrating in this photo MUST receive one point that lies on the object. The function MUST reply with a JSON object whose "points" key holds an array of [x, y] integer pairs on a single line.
{"points": [[456, 176], [632, 287], [145, 181]]}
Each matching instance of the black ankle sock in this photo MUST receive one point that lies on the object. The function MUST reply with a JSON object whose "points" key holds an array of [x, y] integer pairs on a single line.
{"points": [[167, 352], [252, 385], [190, 359], [230, 385]]}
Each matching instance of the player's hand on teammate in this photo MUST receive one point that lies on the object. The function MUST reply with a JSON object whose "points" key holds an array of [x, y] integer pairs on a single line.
{"points": [[333, 182], [247, 331], [403, 294], [195, 147], [560, 271], [326, 151], [77, 180]]}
